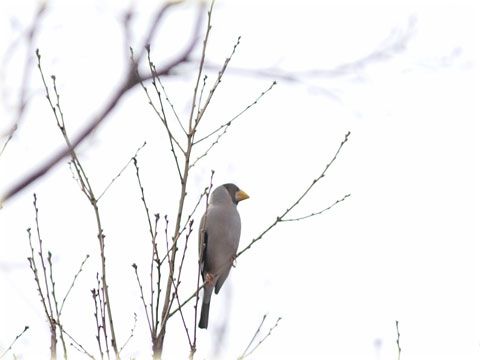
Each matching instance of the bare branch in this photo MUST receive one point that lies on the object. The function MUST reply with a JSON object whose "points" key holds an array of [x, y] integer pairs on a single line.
{"points": [[398, 340], [278, 219], [317, 213], [171, 105], [186, 223], [73, 283], [77, 345], [172, 139], [281, 217], [44, 293], [22, 101], [13, 342], [217, 82], [253, 338], [54, 295], [395, 43], [262, 340], [130, 80], [132, 330], [200, 67], [226, 126], [89, 193], [149, 321], [199, 268], [121, 171]]}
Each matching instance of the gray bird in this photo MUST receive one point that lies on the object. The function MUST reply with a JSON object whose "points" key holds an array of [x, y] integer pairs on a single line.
{"points": [[220, 233]]}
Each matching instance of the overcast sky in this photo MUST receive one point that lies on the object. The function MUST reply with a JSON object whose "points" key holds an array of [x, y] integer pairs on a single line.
{"points": [[397, 75]]}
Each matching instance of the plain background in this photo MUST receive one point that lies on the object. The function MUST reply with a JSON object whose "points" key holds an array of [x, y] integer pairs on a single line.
{"points": [[400, 248]]}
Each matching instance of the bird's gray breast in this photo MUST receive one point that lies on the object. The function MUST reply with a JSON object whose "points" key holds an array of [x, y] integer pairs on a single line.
{"points": [[223, 227]]}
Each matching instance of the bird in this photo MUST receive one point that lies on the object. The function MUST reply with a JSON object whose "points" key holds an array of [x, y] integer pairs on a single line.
{"points": [[219, 236]]}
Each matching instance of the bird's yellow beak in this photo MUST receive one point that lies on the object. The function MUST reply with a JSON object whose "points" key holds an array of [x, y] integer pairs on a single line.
{"points": [[241, 195]]}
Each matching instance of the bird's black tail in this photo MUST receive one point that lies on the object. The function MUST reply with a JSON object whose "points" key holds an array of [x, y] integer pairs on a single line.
{"points": [[203, 323]]}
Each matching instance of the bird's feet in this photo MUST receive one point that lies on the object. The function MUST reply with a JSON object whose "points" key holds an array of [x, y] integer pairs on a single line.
{"points": [[234, 260]]}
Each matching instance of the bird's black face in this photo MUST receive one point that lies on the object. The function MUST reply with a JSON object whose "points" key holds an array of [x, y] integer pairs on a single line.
{"points": [[232, 190]]}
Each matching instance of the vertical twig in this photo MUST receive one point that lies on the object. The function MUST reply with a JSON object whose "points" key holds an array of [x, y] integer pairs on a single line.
{"points": [[398, 340], [87, 189], [44, 294], [199, 267]]}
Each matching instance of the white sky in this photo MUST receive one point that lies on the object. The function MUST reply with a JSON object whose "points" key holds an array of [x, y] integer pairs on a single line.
{"points": [[400, 248]]}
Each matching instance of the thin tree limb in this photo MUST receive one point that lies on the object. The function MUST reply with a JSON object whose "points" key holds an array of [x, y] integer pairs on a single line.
{"points": [[317, 213], [130, 80], [14, 341]]}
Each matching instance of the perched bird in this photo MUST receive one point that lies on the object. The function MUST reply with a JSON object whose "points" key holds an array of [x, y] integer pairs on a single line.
{"points": [[219, 236]]}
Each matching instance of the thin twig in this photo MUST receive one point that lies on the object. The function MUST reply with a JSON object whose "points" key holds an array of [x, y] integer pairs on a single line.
{"points": [[177, 283], [130, 80], [204, 83], [254, 336], [226, 126], [171, 138], [317, 213], [168, 299], [200, 262], [30, 34], [263, 339], [281, 217], [121, 171], [277, 220], [54, 295], [189, 217], [48, 309], [398, 340], [238, 115], [132, 330], [200, 67], [89, 193], [135, 267], [73, 283], [171, 105], [14, 341], [215, 85], [77, 345]]}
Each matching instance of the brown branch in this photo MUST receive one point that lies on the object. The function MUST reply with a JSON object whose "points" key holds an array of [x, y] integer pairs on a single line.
{"points": [[167, 303], [73, 283], [177, 283], [253, 338], [132, 330], [13, 342], [398, 340], [217, 81], [227, 125], [261, 341], [54, 295], [44, 294], [189, 217], [317, 213], [281, 217], [200, 68], [395, 43], [149, 321], [130, 80], [23, 102], [199, 268], [121, 171], [77, 345], [277, 220], [87, 189]]}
